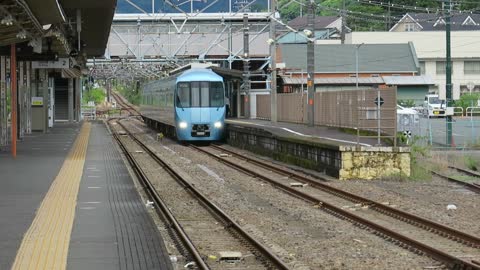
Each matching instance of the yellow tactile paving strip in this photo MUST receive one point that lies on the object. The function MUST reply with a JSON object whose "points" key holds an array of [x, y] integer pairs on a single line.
{"points": [[45, 245]]}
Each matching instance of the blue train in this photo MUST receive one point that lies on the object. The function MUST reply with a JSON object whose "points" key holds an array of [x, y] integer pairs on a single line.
{"points": [[193, 101]]}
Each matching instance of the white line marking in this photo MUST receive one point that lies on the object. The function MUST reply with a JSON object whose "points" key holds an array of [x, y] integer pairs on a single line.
{"points": [[326, 138], [87, 208], [94, 187], [93, 176], [210, 172], [298, 133], [90, 202]]}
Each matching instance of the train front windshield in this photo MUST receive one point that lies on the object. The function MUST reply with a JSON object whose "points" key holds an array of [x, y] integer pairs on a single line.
{"points": [[200, 94]]}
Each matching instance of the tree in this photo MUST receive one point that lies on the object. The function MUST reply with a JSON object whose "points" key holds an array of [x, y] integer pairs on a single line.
{"points": [[96, 95], [291, 9], [288, 10]]}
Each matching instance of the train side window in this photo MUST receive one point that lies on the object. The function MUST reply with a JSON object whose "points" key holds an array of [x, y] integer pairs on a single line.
{"points": [[183, 95], [216, 94]]}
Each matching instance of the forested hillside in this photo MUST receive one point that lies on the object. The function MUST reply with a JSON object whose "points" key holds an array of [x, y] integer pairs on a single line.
{"points": [[371, 14], [361, 15]]}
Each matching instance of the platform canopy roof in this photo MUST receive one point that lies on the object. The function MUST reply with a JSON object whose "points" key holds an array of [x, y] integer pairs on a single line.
{"points": [[50, 26]]}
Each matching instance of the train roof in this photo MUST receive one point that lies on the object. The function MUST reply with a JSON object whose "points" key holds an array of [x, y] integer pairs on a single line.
{"points": [[200, 74]]}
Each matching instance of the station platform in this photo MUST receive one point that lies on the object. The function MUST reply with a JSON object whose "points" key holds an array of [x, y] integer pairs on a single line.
{"points": [[68, 202], [301, 132]]}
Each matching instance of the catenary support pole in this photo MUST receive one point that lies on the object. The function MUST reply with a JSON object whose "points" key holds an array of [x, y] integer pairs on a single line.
{"points": [[273, 64], [448, 71], [311, 64], [13, 106], [246, 65]]}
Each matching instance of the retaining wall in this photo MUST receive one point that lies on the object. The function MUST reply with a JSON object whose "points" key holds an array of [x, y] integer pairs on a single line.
{"points": [[344, 162]]}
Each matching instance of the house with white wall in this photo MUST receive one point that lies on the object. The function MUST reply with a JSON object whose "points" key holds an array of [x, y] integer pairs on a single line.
{"points": [[431, 52], [414, 22]]}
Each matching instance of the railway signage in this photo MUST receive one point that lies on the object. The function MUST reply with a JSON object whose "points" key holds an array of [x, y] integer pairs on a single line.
{"points": [[379, 100], [60, 63], [37, 101]]}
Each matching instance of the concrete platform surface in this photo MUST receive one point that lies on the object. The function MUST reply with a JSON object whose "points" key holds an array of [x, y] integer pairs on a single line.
{"points": [[25, 181], [112, 229], [327, 135], [108, 226]]}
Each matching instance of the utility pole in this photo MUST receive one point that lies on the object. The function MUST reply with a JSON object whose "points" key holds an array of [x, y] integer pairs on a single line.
{"points": [[448, 71], [13, 97], [342, 37], [310, 63], [246, 66], [389, 16], [273, 64]]}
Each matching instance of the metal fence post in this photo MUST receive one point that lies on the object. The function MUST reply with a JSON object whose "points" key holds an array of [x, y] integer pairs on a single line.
{"points": [[378, 117]]}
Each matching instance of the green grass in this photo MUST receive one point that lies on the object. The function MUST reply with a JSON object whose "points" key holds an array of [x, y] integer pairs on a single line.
{"points": [[471, 163]]}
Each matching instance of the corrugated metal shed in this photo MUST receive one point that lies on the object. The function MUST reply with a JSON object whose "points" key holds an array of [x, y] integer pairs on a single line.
{"points": [[332, 81], [373, 58], [408, 80], [428, 45]]}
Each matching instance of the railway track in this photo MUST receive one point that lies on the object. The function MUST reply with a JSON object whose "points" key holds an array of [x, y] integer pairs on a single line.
{"points": [[475, 187], [122, 103], [456, 249], [451, 257], [207, 232]]}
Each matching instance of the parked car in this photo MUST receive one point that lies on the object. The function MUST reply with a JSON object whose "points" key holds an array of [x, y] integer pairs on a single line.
{"points": [[433, 106]]}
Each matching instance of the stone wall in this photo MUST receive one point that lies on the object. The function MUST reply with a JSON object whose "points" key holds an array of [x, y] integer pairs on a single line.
{"points": [[344, 162], [307, 154], [373, 162]]}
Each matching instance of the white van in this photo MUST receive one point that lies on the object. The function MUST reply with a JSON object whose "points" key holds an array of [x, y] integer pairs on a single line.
{"points": [[433, 106]]}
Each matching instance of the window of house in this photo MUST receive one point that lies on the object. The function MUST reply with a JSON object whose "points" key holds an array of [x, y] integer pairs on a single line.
{"points": [[422, 68], [471, 67], [410, 27], [375, 75], [442, 67]]}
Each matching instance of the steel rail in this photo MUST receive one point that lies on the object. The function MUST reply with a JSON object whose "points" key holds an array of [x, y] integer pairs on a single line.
{"points": [[272, 258], [163, 208], [125, 105], [449, 260], [387, 210], [472, 186]]}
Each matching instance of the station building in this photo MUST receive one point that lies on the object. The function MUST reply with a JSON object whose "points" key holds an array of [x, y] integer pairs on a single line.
{"points": [[47, 43]]}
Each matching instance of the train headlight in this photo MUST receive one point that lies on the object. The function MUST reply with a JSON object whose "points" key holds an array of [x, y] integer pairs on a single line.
{"points": [[182, 125], [217, 124]]}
